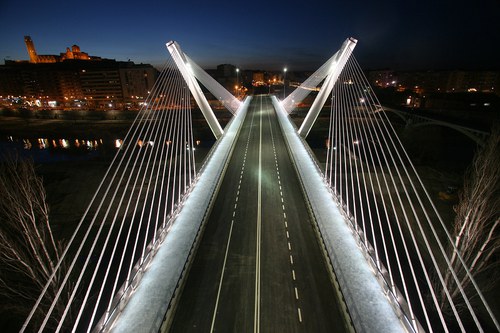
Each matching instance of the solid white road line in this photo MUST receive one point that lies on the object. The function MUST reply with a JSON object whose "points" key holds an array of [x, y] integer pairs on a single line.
{"points": [[222, 276], [259, 222]]}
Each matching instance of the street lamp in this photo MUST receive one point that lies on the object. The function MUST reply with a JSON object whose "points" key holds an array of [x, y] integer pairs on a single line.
{"points": [[284, 79], [237, 81]]}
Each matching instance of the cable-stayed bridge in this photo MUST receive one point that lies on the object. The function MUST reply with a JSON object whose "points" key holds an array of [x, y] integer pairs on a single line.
{"points": [[261, 236]]}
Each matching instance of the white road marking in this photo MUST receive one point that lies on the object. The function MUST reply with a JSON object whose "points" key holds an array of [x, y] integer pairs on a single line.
{"points": [[256, 327], [299, 312], [222, 276]]}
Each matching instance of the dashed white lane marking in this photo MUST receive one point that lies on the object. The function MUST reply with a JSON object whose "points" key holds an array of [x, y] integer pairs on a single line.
{"points": [[299, 312], [229, 237]]}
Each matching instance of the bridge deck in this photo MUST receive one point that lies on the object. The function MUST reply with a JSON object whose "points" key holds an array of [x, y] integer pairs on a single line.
{"points": [[259, 266], [150, 300], [365, 299]]}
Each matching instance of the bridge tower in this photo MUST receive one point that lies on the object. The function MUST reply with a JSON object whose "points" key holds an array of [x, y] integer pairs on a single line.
{"points": [[335, 69], [194, 87]]}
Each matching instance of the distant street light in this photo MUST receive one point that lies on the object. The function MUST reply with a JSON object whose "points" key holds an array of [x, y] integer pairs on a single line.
{"points": [[284, 79], [237, 81]]}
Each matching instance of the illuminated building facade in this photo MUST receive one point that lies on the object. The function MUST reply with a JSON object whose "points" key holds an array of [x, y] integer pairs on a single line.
{"points": [[73, 53], [76, 80]]}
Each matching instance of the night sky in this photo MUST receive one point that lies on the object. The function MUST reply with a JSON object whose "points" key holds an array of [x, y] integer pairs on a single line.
{"points": [[405, 34]]}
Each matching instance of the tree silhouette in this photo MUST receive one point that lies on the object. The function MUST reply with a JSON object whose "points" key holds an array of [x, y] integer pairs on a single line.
{"points": [[476, 225], [28, 250]]}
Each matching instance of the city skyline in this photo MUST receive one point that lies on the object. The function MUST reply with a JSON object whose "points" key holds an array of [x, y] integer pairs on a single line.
{"points": [[298, 35]]}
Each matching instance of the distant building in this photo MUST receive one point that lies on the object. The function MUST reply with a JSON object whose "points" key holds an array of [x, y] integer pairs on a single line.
{"points": [[258, 78], [73, 53], [75, 79], [443, 91], [382, 78], [226, 70], [437, 81]]}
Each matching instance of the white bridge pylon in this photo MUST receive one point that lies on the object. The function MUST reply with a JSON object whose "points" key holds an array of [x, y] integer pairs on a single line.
{"points": [[331, 69], [191, 72]]}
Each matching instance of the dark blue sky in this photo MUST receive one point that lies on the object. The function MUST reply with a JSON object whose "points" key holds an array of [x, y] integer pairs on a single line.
{"points": [[405, 34]]}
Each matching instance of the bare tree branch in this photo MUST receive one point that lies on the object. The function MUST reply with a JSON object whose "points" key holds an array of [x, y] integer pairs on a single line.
{"points": [[476, 226], [28, 250]]}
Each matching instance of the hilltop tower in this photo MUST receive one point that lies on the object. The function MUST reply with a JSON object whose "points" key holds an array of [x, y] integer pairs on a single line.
{"points": [[31, 49]]}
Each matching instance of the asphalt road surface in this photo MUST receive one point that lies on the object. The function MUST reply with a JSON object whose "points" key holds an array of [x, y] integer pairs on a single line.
{"points": [[259, 267]]}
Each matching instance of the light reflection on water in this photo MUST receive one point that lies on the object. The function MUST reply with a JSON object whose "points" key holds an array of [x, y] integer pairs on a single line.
{"points": [[50, 143], [45, 143], [45, 150]]}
